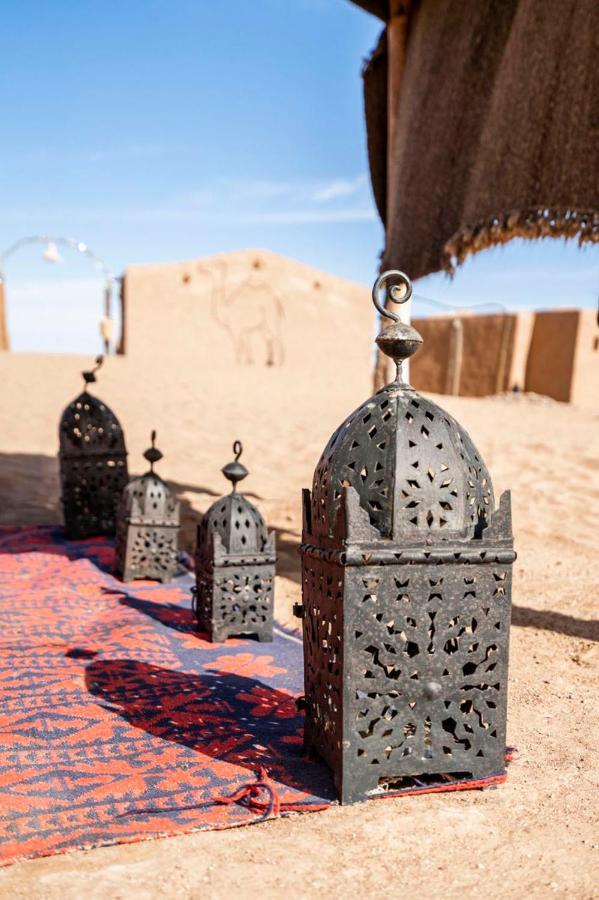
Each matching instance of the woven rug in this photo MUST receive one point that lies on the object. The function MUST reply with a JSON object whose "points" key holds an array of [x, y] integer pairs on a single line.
{"points": [[119, 723]]}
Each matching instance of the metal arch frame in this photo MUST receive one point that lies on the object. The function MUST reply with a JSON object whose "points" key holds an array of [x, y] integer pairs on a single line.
{"points": [[80, 247]]}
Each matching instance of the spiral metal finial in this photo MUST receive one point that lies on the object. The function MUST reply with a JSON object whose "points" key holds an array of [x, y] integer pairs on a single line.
{"points": [[235, 471], [153, 454], [392, 291], [399, 340]]}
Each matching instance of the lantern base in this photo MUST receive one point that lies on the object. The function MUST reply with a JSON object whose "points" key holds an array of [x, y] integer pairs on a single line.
{"points": [[235, 601], [146, 551]]}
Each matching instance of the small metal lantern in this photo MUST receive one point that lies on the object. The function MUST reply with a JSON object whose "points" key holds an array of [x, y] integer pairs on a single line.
{"points": [[235, 566], [93, 463], [147, 526], [406, 589]]}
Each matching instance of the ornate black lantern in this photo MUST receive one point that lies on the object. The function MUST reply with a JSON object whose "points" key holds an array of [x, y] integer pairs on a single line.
{"points": [[93, 463], [406, 581], [235, 565], [147, 526]]}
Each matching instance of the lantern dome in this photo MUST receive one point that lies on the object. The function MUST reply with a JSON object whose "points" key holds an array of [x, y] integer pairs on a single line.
{"points": [[233, 518], [150, 499], [238, 523], [415, 470], [89, 427]]}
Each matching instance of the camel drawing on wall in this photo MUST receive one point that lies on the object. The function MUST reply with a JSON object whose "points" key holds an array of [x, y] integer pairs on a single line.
{"points": [[251, 313]]}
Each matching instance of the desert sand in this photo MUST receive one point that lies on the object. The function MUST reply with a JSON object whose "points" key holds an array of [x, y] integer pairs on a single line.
{"points": [[536, 835]]}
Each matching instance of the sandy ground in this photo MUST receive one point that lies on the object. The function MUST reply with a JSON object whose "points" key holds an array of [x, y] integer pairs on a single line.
{"points": [[535, 836]]}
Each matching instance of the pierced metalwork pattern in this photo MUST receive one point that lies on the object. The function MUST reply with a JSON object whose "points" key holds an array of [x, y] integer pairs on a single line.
{"points": [[407, 666], [239, 524], [428, 689], [90, 427], [150, 498], [360, 453], [143, 551], [93, 466], [322, 586], [414, 468], [236, 600], [441, 482]]}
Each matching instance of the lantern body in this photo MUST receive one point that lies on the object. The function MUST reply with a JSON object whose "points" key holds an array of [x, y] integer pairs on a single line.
{"points": [[235, 571], [406, 597], [93, 466], [147, 530]]}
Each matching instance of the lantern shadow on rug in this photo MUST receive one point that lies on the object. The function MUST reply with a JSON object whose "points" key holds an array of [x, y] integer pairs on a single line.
{"points": [[172, 615], [224, 716], [179, 618], [94, 550]]}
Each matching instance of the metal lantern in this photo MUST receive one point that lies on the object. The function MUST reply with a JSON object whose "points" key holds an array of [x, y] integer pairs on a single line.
{"points": [[93, 463], [235, 565], [406, 590], [147, 526]]}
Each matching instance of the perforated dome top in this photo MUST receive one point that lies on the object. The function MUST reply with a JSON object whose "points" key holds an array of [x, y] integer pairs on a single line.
{"points": [[88, 426], [233, 518], [414, 468], [239, 524], [148, 498]]}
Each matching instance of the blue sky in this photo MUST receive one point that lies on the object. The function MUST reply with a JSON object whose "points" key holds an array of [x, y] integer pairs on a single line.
{"points": [[173, 129]]}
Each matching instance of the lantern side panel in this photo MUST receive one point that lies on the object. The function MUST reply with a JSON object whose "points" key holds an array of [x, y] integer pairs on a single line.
{"points": [[151, 552], [323, 659], [426, 674], [91, 488], [236, 600]]}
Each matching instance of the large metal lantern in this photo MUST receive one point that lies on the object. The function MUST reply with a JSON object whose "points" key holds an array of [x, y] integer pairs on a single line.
{"points": [[406, 594], [147, 526], [235, 565], [93, 463]]}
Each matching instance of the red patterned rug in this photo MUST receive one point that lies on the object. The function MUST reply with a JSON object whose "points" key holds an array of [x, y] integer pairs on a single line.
{"points": [[119, 723]]}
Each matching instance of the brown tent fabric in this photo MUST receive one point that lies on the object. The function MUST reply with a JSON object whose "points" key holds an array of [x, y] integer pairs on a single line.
{"points": [[497, 130], [375, 92], [378, 8]]}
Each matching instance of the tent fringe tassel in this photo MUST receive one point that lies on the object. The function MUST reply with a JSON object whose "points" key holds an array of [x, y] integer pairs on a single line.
{"points": [[531, 225]]}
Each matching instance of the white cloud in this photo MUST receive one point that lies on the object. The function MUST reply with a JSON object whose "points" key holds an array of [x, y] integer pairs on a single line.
{"points": [[341, 187], [272, 201], [237, 201]]}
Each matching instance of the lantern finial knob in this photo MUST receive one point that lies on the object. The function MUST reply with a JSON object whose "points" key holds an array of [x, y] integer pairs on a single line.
{"points": [[399, 340], [153, 454], [90, 376], [235, 471]]}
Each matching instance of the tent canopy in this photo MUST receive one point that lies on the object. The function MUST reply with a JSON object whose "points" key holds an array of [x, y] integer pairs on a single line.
{"points": [[495, 125]]}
